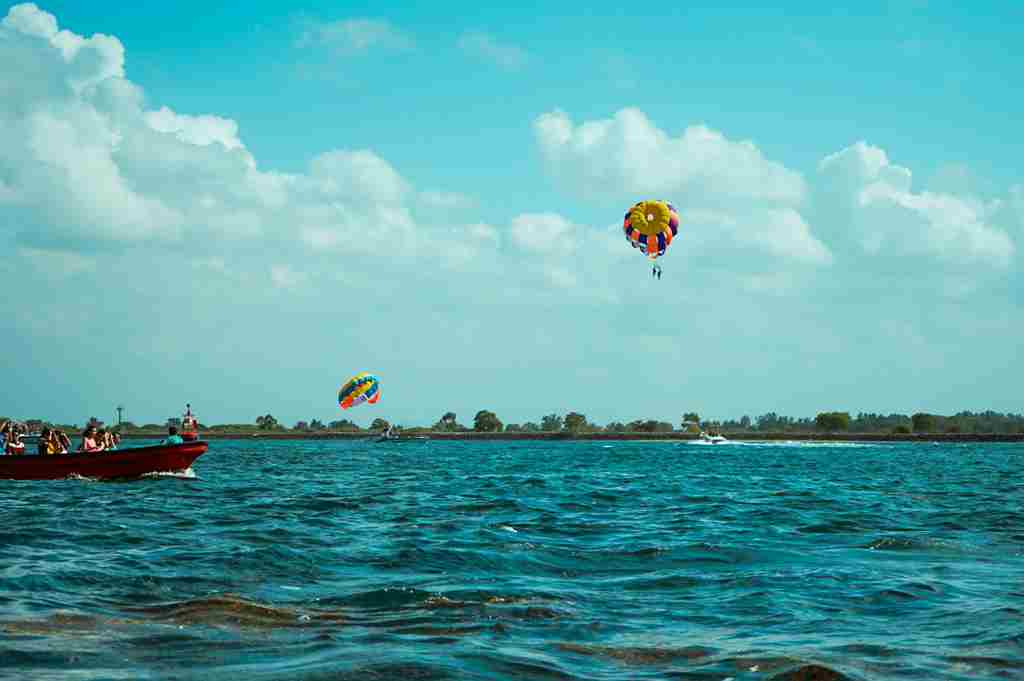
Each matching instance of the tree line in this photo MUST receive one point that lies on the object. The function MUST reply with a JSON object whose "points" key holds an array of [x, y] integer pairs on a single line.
{"points": [[485, 421]]}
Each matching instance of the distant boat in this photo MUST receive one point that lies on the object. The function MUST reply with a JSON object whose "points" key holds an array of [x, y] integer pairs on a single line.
{"points": [[711, 439], [385, 437], [189, 425], [132, 462]]}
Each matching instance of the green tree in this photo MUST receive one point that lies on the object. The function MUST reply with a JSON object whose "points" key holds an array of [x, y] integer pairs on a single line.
{"points": [[615, 427], [574, 422], [529, 427], [447, 423], [379, 424], [344, 426], [690, 417], [301, 425], [486, 422], [922, 423], [832, 421], [316, 424], [649, 426], [267, 422], [551, 423]]}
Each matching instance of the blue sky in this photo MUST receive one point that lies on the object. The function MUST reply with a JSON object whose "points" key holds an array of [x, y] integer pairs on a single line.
{"points": [[242, 206]]}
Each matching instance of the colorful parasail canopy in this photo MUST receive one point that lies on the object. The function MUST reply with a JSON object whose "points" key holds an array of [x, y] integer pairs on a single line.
{"points": [[651, 226], [362, 387]]}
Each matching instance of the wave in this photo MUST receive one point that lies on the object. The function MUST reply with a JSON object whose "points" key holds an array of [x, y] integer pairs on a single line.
{"points": [[232, 609], [897, 543], [638, 655]]}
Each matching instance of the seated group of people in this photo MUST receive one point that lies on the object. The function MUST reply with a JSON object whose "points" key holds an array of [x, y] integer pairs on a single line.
{"points": [[54, 441], [97, 440]]}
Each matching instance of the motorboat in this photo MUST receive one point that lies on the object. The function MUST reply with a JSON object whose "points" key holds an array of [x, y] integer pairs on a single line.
{"points": [[189, 425], [131, 462], [711, 439]]}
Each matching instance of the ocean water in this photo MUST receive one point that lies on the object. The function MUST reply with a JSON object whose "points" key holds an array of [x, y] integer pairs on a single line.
{"points": [[524, 560]]}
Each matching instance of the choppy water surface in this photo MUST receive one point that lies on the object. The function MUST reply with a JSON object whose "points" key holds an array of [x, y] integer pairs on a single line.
{"points": [[524, 560]]}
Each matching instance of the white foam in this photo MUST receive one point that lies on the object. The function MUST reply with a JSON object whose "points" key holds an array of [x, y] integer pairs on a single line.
{"points": [[187, 474]]}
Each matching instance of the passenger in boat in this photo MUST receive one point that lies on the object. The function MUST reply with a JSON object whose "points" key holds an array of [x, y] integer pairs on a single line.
{"points": [[63, 441], [50, 441], [108, 440], [90, 442], [46, 441], [172, 437], [14, 444], [5, 428]]}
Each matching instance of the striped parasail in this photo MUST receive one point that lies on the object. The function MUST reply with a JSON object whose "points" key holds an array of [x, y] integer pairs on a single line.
{"points": [[651, 226], [362, 387]]}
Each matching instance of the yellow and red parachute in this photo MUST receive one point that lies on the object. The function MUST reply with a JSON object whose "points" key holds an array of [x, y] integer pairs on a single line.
{"points": [[362, 387], [651, 226]]}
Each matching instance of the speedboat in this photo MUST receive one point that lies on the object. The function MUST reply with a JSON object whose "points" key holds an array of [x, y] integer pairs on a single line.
{"points": [[132, 462], [385, 437], [712, 439]]}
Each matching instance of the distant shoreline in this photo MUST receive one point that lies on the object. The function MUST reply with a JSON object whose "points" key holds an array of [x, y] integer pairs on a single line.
{"points": [[674, 436]]}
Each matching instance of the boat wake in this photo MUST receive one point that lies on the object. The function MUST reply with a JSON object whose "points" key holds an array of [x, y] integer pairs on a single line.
{"points": [[76, 476], [785, 443], [187, 474], [809, 443]]}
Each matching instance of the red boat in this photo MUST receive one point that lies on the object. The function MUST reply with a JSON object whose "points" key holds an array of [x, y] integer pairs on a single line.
{"points": [[131, 462]]}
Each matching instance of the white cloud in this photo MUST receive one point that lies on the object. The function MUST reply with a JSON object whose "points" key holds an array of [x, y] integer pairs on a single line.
{"points": [[350, 37], [84, 167], [871, 203], [357, 175], [198, 130], [486, 47], [782, 233], [284, 276], [751, 210], [90, 168], [628, 153], [484, 233], [89, 60], [544, 233], [734, 198]]}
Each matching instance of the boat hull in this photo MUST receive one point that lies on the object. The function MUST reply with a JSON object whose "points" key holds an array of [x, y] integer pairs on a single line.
{"points": [[119, 463]]}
